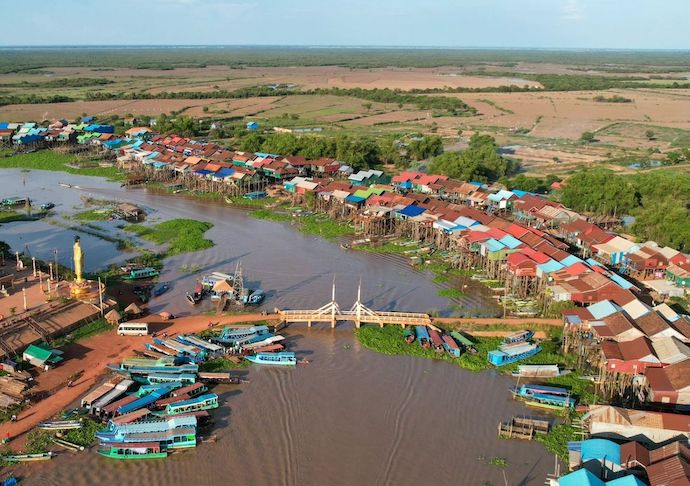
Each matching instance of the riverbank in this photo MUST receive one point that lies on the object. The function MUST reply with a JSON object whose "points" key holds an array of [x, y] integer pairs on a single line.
{"points": [[90, 356], [62, 162]]}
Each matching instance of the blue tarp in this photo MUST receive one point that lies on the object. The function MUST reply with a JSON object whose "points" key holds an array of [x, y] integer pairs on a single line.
{"points": [[510, 241], [203, 172], [4, 125], [602, 309], [225, 172], [411, 211]]}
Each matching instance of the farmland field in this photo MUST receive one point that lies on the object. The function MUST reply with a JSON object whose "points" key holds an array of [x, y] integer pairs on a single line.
{"points": [[542, 119]]}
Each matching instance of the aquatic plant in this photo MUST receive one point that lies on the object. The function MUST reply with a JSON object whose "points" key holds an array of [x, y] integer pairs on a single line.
{"points": [[181, 235]]}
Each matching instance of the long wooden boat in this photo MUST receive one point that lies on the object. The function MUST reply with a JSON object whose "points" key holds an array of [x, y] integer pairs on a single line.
{"points": [[408, 335], [43, 456], [436, 341], [277, 359], [543, 396], [61, 425], [451, 346], [539, 371], [422, 336], [466, 343], [128, 451], [221, 377], [200, 402]]}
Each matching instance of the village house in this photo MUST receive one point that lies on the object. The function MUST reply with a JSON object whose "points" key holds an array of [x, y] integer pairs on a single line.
{"points": [[670, 385]]}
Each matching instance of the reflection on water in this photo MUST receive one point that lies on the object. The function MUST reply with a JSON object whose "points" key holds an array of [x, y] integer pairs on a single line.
{"points": [[351, 416]]}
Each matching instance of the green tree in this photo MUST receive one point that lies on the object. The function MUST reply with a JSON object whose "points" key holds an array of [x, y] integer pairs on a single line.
{"points": [[425, 147], [650, 134], [587, 137], [252, 143]]}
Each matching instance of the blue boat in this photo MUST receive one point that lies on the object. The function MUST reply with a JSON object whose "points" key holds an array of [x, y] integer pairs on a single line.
{"points": [[545, 396], [146, 399], [501, 357], [277, 359], [160, 289], [234, 337], [422, 336], [253, 297]]}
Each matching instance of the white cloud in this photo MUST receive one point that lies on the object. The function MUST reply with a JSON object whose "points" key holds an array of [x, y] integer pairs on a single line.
{"points": [[572, 10]]}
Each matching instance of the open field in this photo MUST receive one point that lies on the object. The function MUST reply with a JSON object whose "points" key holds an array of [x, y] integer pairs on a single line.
{"points": [[542, 127]]}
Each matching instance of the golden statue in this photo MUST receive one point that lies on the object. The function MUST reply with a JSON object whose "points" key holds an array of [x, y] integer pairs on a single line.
{"points": [[78, 261]]}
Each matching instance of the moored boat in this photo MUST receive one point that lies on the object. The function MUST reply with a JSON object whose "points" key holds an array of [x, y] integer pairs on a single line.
{"points": [[451, 346], [518, 337], [133, 450], [140, 273], [278, 359], [543, 396], [61, 425], [464, 341], [422, 336], [436, 341], [500, 357], [42, 456], [408, 335]]}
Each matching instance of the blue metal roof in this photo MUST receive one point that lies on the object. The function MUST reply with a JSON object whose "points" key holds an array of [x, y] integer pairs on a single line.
{"points": [[570, 260], [465, 221], [581, 477], [411, 211], [620, 281], [602, 309], [510, 241], [355, 199], [160, 165], [493, 245], [204, 172], [601, 450], [550, 266], [629, 480], [4, 125]]}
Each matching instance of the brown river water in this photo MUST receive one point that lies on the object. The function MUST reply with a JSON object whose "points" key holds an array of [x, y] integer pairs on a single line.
{"points": [[352, 416]]}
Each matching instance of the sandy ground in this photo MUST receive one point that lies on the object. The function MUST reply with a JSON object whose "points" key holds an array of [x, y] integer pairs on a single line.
{"points": [[93, 354]]}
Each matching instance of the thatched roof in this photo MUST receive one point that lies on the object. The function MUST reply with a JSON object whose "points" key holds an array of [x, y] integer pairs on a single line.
{"points": [[113, 316], [133, 308]]}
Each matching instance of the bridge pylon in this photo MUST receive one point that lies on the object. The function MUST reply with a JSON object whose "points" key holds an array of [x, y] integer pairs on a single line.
{"points": [[332, 309], [360, 310]]}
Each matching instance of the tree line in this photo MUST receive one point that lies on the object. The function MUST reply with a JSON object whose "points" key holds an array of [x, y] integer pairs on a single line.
{"points": [[657, 200]]}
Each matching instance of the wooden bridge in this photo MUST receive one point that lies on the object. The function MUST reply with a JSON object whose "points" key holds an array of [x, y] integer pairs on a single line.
{"points": [[359, 314]]}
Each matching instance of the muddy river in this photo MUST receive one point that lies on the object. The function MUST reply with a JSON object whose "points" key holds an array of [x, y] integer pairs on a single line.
{"points": [[352, 416]]}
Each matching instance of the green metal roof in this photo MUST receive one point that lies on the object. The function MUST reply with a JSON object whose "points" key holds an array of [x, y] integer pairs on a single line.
{"points": [[43, 352]]}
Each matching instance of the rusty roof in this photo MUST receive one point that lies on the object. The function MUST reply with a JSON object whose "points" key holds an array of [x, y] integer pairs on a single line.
{"points": [[651, 324], [675, 377], [674, 471]]}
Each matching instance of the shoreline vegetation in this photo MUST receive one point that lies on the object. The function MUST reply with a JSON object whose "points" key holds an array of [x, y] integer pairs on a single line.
{"points": [[390, 340], [60, 162]]}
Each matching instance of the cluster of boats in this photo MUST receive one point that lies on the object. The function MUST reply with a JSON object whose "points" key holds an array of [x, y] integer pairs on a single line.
{"points": [[429, 338], [224, 288], [516, 347], [257, 344]]}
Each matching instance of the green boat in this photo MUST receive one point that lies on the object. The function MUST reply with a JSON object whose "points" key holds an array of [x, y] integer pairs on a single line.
{"points": [[132, 450]]}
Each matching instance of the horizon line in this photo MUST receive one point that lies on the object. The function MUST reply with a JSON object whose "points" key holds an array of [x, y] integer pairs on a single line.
{"points": [[341, 46]]}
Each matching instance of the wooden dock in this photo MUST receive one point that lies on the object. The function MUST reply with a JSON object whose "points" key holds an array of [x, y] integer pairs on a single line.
{"points": [[523, 428]]}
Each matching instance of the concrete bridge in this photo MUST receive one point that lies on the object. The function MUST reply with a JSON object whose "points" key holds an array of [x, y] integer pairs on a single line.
{"points": [[359, 314]]}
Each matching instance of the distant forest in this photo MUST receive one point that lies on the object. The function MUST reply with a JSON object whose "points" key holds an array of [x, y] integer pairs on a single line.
{"points": [[25, 59]]}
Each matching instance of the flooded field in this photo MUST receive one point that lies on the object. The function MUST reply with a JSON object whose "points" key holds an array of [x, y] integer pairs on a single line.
{"points": [[352, 416]]}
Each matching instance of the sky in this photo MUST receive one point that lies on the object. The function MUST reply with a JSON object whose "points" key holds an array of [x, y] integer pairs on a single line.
{"points": [[613, 24]]}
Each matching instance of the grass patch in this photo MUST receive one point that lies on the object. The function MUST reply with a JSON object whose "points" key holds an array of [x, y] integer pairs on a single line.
{"points": [[86, 331], [498, 461], [38, 441], [244, 202], [450, 293], [55, 161], [86, 435], [12, 216], [222, 364], [389, 247], [181, 235], [316, 225], [93, 215], [269, 215]]}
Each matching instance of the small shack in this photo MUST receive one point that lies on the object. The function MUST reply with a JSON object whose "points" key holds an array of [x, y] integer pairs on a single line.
{"points": [[252, 125], [113, 317], [128, 211], [42, 355], [133, 310]]}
